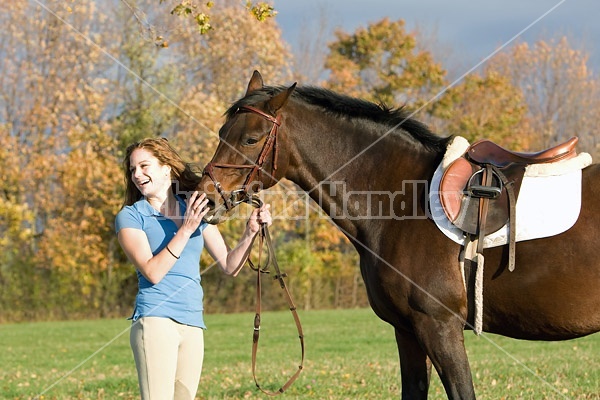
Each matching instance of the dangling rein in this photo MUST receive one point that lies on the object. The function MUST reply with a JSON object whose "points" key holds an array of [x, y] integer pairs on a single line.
{"points": [[265, 239]]}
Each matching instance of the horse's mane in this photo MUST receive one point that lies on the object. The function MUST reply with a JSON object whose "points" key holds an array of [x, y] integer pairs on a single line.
{"points": [[350, 107]]}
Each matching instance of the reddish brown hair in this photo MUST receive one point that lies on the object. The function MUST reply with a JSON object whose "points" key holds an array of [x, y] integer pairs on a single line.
{"points": [[184, 178]]}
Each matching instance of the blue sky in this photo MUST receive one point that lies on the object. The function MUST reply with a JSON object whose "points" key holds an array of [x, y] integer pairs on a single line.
{"points": [[470, 30]]}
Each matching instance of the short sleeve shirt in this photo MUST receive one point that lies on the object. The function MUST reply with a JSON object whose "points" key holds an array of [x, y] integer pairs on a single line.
{"points": [[179, 294]]}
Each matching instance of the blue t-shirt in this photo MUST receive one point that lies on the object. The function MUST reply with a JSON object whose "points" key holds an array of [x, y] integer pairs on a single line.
{"points": [[179, 294]]}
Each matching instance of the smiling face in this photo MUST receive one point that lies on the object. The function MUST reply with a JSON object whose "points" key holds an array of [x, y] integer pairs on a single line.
{"points": [[147, 174]]}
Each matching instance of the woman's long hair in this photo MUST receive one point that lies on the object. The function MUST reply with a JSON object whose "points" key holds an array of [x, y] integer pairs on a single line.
{"points": [[182, 173]]}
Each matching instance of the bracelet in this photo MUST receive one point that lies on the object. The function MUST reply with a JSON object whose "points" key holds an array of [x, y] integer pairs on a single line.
{"points": [[169, 250]]}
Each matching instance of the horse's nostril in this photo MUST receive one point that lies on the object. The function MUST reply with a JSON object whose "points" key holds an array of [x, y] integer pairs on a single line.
{"points": [[211, 204]]}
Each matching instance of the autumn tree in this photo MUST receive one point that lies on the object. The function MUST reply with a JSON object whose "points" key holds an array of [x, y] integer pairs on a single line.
{"points": [[147, 85], [326, 264], [381, 63], [385, 63], [48, 78], [17, 227], [560, 90], [486, 105]]}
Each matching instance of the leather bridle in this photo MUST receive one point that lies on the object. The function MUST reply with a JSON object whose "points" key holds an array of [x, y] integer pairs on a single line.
{"points": [[242, 195]]}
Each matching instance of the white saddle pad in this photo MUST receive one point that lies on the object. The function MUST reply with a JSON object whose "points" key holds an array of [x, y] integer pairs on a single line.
{"points": [[549, 201]]}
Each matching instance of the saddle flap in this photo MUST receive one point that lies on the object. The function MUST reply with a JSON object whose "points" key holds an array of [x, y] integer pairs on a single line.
{"points": [[452, 186], [462, 208]]}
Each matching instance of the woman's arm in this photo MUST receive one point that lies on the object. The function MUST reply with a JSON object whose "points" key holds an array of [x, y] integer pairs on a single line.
{"points": [[231, 261], [137, 248]]}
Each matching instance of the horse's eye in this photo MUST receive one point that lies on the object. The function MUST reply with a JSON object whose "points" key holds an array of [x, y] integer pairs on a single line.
{"points": [[250, 141]]}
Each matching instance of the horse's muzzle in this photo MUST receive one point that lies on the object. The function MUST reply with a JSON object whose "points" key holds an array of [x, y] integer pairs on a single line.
{"points": [[216, 213], [223, 203]]}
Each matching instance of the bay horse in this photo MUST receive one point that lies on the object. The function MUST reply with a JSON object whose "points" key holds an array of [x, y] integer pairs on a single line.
{"points": [[337, 148]]}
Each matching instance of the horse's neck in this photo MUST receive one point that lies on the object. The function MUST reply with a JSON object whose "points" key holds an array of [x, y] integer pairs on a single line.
{"points": [[345, 170], [342, 152]]}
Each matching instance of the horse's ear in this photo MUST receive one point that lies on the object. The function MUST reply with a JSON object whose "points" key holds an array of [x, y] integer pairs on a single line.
{"points": [[280, 99], [256, 82]]}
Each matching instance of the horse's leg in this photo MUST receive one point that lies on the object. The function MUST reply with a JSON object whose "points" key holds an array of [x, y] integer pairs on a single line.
{"points": [[443, 342], [415, 367]]}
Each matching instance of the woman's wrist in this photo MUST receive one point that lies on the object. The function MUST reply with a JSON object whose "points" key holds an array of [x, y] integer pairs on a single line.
{"points": [[186, 233], [171, 252], [177, 243], [252, 226]]}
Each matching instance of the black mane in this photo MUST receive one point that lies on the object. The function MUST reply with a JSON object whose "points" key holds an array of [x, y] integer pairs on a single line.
{"points": [[346, 106]]}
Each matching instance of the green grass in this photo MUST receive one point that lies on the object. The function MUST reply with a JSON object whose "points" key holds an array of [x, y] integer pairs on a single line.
{"points": [[350, 354]]}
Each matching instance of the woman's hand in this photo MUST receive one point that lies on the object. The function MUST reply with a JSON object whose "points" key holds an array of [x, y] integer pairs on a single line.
{"points": [[195, 211], [259, 216], [231, 261]]}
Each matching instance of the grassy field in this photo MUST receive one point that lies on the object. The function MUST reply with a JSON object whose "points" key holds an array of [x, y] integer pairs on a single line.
{"points": [[350, 354]]}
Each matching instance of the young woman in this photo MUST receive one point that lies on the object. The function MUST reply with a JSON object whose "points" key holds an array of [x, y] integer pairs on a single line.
{"points": [[162, 234]]}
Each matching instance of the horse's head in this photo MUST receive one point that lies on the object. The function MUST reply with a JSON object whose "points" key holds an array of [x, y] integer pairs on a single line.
{"points": [[248, 157]]}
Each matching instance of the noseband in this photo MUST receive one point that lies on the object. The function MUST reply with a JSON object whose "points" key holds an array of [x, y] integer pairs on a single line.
{"points": [[242, 195]]}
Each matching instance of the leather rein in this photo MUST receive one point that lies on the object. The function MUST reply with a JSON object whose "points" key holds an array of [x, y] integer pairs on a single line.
{"points": [[265, 239], [243, 195]]}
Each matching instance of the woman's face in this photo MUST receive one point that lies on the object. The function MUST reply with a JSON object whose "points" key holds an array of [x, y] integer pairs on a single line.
{"points": [[148, 175]]}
